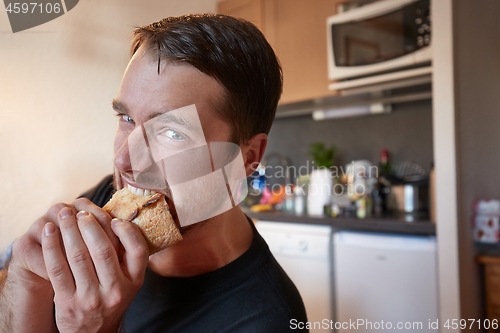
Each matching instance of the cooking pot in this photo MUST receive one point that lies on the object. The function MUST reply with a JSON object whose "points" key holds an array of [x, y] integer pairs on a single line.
{"points": [[409, 196]]}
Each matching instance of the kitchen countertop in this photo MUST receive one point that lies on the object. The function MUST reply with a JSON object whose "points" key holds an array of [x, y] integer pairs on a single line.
{"points": [[389, 224], [487, 249]]}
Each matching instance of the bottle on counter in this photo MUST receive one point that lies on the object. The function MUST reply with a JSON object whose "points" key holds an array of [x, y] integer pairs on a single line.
{"points": [[385, 167], [300, 194], [289, 198], [364, 206], [385, 173], [377, 202]]}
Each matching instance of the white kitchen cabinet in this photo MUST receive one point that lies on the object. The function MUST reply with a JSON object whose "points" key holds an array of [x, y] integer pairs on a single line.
{"points": [[303, 250]]}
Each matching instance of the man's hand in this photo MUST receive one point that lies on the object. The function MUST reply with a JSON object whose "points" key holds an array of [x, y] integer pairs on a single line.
{"points": [[27, 295], [93, 284], [27, 258]]}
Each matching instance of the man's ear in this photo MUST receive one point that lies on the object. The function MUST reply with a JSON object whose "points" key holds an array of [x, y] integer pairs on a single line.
{"points": [[253, 151]]}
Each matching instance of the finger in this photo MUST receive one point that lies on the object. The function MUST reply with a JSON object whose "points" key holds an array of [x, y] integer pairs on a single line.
{"points": [[77, 254], [101, 250], [35, 230], [101, 216], [136, 254], [27, 250], [27, 254], [57, 267]]}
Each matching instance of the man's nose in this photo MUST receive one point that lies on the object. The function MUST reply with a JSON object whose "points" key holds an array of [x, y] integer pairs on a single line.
{"points": [[122, 157], [133, 155]]}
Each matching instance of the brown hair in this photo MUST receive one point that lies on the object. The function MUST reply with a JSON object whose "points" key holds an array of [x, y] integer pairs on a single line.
{"points": [[235, 53]]}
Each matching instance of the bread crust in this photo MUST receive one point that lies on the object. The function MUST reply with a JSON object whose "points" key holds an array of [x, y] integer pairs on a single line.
{"points": [[152, 215]]}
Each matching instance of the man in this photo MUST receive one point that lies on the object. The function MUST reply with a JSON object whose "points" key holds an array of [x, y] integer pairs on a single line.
{"points": [[76, 270]]}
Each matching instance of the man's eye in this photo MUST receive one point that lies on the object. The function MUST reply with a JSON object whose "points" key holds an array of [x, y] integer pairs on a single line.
{"points": [[127, 119], [174, 135]]}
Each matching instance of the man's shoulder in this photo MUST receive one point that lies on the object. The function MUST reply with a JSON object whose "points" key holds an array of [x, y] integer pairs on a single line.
{"points": [[274, 303], [282, 299]]}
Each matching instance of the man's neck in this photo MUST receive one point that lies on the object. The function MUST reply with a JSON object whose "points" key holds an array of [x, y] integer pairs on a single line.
{"points": [[206, 247]]}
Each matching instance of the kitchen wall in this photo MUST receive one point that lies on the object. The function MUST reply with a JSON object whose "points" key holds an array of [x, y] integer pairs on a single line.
{"points": [[57, 82], [406, 132], [477, 87], [467, 117]]}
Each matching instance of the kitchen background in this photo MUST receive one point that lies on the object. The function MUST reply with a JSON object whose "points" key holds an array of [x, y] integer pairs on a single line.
{"points": [[57, 129], [406, 132]]}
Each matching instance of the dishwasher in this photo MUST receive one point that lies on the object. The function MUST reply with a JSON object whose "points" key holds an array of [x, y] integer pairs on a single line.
{"points": [[304, 252], [386, 282]]}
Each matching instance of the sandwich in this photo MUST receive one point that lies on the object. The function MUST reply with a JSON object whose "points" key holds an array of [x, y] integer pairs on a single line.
{"points": [[150, 212]]}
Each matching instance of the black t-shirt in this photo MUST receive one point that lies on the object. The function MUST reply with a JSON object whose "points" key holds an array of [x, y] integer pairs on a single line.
{"points": [[250, 294]]}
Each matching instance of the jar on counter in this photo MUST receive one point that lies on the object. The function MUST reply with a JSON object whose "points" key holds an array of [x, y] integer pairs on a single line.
{"points": [[363, 207], [300, 200]]}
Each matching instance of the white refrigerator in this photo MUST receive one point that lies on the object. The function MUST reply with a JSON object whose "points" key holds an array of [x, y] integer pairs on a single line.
{"points": [[385, 282]]}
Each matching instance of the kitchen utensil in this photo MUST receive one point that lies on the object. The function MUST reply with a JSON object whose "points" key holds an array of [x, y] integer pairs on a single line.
{"points": [[410, 197], [411, 193]]}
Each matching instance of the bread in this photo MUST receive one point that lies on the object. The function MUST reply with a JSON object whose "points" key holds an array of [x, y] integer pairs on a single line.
{"points": [[151, 213]]}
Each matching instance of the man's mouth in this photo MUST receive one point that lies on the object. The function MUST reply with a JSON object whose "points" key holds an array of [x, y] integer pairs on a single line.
{"points": [[144, 188], [143, 192], [140, 191]]}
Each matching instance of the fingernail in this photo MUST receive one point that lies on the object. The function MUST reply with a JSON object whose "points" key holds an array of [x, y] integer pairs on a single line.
{"points": [[49, 229], [81, 214], [114, 222], [65, 212]]}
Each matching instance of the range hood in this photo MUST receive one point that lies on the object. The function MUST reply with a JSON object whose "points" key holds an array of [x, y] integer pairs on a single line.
{"points": [[373, 98]]}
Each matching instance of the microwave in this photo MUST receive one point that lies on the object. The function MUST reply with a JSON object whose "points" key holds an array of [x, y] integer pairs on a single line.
{"points": [[378, 38]]}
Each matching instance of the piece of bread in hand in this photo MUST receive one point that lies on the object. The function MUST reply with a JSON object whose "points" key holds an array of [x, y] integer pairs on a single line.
{"points": [[151, 213]]}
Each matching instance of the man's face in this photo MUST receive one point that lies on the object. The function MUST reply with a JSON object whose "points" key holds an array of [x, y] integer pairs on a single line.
{"points": [[165, 122]]}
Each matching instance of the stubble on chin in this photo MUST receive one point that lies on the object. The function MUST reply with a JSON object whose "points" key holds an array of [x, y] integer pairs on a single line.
{"points": [[186, 230], [117, 181]]}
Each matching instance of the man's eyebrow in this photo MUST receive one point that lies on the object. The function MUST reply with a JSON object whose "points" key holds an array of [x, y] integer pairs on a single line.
{"points": [[119, 106], [168, 117]]}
